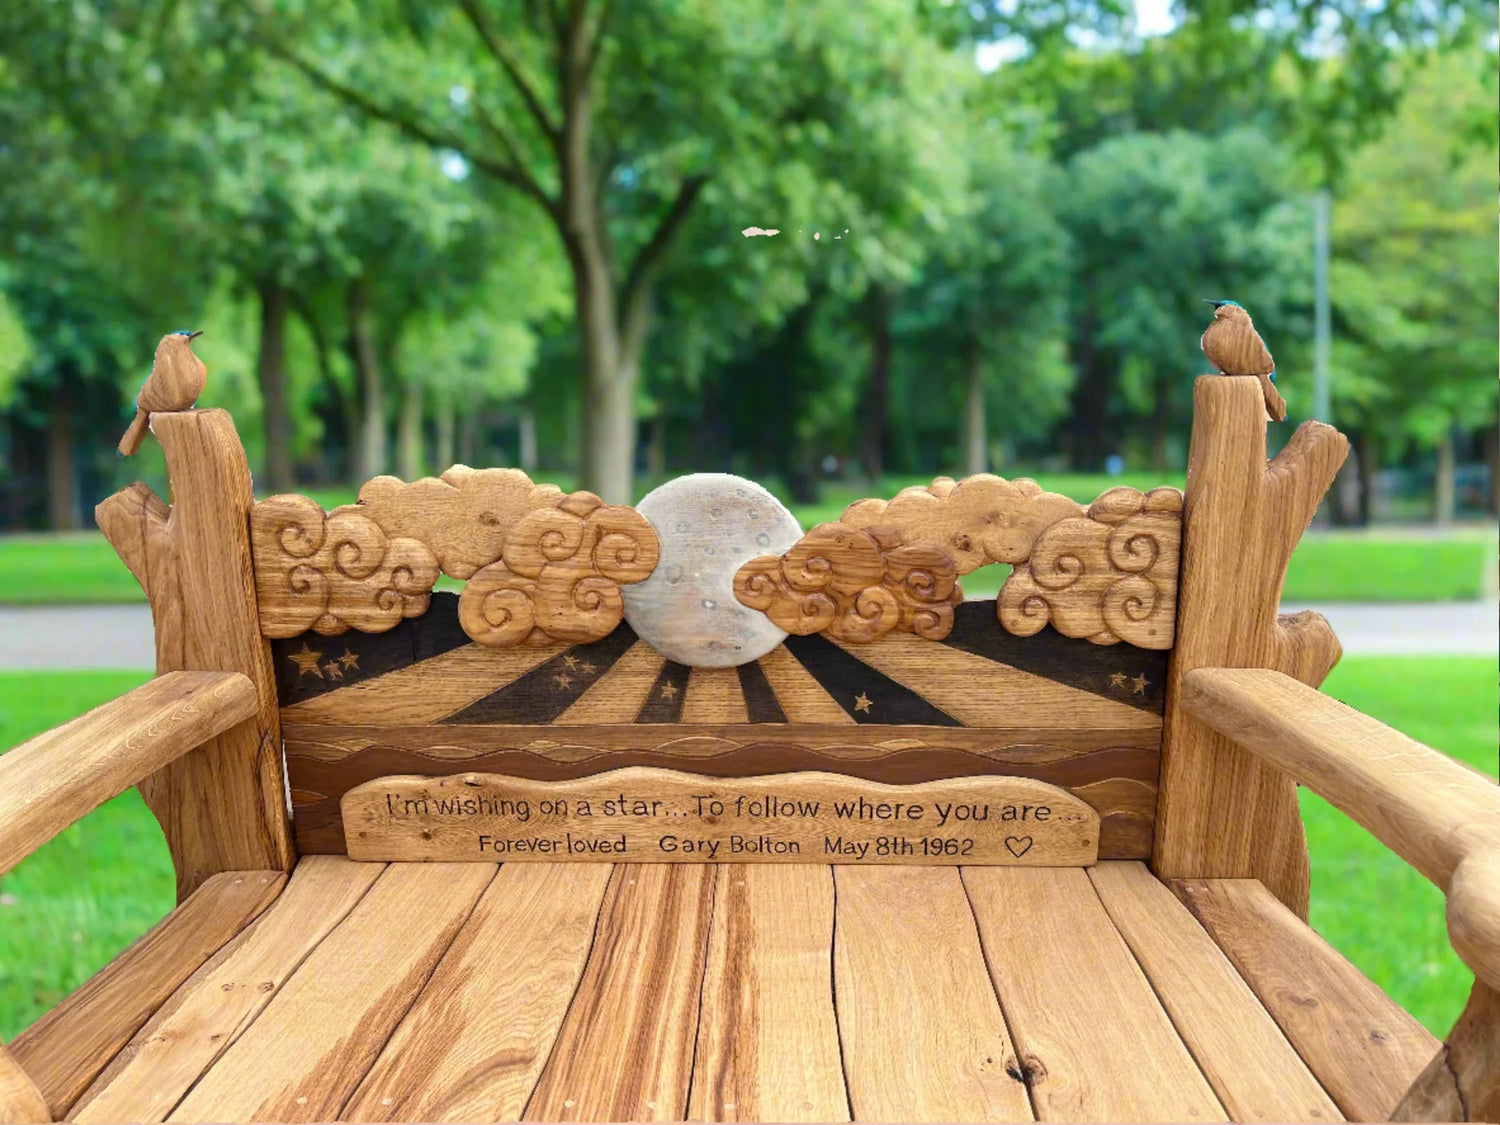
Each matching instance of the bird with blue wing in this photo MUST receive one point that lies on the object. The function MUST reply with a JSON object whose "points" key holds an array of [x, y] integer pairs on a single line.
{"points": [[176, 380], [1234, 346]]}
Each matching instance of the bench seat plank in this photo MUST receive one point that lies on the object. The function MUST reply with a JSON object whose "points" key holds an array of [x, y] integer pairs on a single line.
{"points": [[473, 1045], [65, 1050], [923, 1036], [1243, 1054], [205, 1017], [307, 1051], [625, 1049], [1363, 1048], [768, 1037], [1093, 1038]]}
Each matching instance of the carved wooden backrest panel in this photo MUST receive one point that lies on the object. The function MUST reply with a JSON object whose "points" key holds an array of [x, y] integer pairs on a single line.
{"points": [[542, 566], [884, 671]]}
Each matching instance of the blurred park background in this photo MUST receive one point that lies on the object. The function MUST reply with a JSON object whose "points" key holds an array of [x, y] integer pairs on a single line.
{"points": [[514, 232]]}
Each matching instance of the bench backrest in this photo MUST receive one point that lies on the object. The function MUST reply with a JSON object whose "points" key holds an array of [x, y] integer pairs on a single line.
{"points": [[704, 631]]}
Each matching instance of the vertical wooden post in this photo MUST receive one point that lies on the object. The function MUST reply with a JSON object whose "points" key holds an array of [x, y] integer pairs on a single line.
{"points": [[223, 806], [21, 1103], [1221, 813]]}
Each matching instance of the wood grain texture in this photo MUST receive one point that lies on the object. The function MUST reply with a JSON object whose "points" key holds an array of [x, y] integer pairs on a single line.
{"points": [[21, 1103], [1114, 772], [175, 382], [714, 697], [923, 1035], [1243, 1054], [625, 1049], [421, 693], [1008, 697], [1359, 1044], [619, 698], [473, 1045], [559, 574], [333, 571], [1110, 575], [1093, 1038], [462, 516], [1432, 811], [1223, 813], [1462, 1082], [768, 1037], [65, 1050], [57, 778], [644, 815], [212, 1009], [801, 696], [222, 807], [305, 1054]]}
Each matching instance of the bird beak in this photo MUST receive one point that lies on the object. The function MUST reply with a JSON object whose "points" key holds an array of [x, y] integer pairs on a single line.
{"points": [[1215, 304], [192, 335]]}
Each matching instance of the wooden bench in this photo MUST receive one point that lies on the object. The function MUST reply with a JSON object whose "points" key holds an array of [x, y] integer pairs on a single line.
{"points": [[686, 812]]}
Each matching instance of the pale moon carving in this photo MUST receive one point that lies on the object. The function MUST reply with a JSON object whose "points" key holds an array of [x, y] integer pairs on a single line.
{"points": [[709, 525]]}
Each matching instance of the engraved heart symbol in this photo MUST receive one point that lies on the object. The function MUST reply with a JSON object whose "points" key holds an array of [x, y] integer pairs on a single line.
{"points": [[1018, 845]]}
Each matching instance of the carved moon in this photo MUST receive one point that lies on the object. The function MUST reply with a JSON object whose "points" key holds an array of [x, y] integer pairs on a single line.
{"points": [[709, 525]]}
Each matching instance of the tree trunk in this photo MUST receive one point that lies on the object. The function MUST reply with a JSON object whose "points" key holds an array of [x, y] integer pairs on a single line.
{"points": [[372, 453], [468, 438], [271, 374], [62, 479], [409, 433], [656, 449], [1444, 488], [1090, 440], [527, 441], [338, 410], [878, 389], [1492, 465], [444, 428], [1369, 462], [1161, 424], [976, 432]]}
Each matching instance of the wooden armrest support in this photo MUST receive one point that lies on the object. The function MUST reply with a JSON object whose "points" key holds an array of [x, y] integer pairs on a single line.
{"points": [[1439, 815], [60, 776], [20, 1101]]}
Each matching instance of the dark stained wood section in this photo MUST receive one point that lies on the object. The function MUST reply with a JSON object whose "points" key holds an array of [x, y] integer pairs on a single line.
{"points": [[732, 992]]}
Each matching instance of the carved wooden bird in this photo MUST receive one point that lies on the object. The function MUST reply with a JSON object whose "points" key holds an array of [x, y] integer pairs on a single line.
{"points": [[176, 380], [1234, 346]]}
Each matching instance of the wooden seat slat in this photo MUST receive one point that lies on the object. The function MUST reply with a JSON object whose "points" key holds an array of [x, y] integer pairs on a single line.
{"points": [[923, 1035], [474, 1043], [308, 1050], [625, 1049], [1256, 1073], [1096, 1042], [768, 1037], [1361, 1045], [64, 1051], [213, 1008]]}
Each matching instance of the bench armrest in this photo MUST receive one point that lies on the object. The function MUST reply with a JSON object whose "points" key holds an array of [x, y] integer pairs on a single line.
{"points": [[58, 777], [1437, 814]]}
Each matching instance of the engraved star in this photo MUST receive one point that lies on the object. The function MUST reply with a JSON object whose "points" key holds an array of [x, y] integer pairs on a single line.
{"points": [[862, 702], [571, 661], [585, 667], [1117, 679], [333, 671], [669, 691], [1140, 684], [349, 661], [306, 661], [563, 680]]}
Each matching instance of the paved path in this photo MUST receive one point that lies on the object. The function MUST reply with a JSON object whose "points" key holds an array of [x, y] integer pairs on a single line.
{"points": [[119, 636]]}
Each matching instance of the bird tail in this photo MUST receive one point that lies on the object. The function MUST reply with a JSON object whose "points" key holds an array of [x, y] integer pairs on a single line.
{"points": [[136, 434], [1275, 404]]}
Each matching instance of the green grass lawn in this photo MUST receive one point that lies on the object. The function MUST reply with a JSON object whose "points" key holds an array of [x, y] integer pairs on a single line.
{"points": [[82, 898]]}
